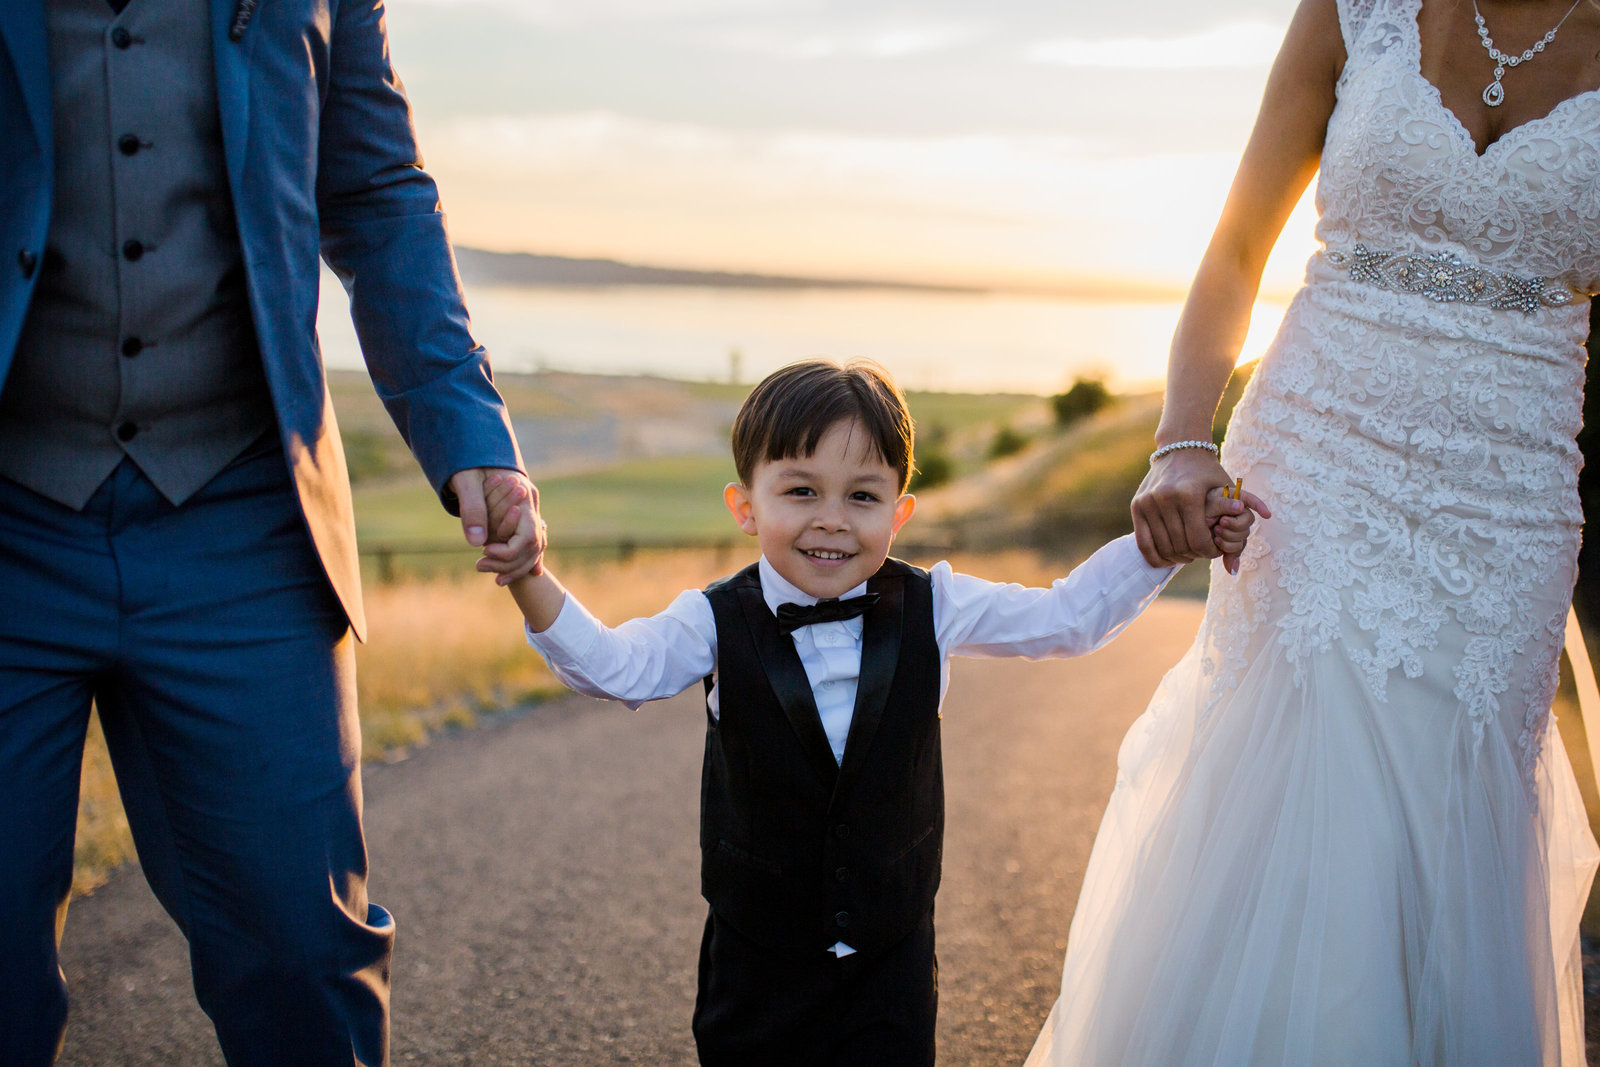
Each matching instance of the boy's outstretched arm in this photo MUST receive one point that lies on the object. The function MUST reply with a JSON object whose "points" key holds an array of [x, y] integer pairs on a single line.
{"points": [[1072, 616], [538, 595], [643, 659], [540, 598]]}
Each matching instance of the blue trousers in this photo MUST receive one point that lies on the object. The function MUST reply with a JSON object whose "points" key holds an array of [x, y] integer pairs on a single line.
{"points": [[223, 671]]}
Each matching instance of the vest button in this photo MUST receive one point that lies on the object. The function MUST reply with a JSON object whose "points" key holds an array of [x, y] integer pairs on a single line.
{"points": [[121, 38], [841, 831], [128, 144], [842, 874], [842, 919], [127, 431], [132, 251], [27, 262], [132, 346]]}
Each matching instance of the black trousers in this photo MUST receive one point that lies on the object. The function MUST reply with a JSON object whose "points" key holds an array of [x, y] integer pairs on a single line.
{"points": [[872, 1009]]}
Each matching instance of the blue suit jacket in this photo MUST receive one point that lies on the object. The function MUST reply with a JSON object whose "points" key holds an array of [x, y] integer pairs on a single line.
{"points": [[322, 159]]}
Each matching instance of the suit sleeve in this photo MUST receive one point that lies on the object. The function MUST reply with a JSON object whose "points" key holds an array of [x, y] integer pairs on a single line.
{"points": [[384, 235]]}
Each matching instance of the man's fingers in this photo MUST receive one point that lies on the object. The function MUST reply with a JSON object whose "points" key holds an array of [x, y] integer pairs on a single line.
{"points": [[468, 487]]}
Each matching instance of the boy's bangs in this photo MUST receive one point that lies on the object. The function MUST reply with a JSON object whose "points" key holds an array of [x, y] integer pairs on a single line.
{"points": [[786, 416]]}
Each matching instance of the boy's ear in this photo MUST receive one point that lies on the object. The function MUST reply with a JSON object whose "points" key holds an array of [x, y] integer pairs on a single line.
{"points": [[902, 511], [737, 498]]}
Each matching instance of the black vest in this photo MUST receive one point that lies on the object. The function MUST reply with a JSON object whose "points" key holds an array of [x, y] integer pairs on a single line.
{"points": [[799, 852]]}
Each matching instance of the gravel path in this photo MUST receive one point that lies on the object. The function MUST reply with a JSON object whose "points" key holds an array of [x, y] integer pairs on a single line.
{"points": [[543, 872]]}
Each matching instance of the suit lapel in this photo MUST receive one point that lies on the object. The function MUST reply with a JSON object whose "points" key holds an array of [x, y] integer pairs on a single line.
{"points": [[783, 669], [880, 652], [23, 32], [232, 62]]}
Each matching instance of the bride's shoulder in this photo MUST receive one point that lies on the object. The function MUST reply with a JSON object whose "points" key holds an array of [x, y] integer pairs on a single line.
{"points": [[1357, 17]]}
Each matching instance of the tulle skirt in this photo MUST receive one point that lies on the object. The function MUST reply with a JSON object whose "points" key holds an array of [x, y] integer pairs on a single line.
{"points": [[1296, 869]]}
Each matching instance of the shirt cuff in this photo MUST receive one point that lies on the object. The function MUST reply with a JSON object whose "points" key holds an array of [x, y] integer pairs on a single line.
{"points": [[1132, 562], [570, 638]]}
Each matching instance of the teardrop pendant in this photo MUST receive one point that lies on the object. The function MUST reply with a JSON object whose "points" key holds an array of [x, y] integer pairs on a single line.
{"points": [[1494, 93]]}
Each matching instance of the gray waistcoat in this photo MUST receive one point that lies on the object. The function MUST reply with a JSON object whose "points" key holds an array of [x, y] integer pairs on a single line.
{"points": [[138, 341]]}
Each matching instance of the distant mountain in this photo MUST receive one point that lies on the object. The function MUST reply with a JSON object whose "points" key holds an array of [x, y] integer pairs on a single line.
{"points": [[523, 268]]}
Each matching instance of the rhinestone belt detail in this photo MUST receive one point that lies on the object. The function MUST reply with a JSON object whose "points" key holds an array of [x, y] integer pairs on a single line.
{"points": [[1446, 277]]}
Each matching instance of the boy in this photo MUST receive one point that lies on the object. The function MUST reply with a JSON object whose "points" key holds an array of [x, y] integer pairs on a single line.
{"points": [[825, 664]]}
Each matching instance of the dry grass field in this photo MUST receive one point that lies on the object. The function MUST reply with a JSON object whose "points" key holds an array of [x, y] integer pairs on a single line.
{"points": [[446, 644], [445, 651]]}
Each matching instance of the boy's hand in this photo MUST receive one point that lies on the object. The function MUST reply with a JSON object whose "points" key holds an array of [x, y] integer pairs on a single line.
{"points": [[503, 497], [514, 526], [1230, 520]]}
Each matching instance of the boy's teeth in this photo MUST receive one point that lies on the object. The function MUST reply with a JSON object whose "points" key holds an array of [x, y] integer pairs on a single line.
{"points": [[827, 555]]}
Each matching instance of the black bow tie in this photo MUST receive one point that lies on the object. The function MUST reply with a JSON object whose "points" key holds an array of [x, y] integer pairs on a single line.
{"points": [[793, 616]]}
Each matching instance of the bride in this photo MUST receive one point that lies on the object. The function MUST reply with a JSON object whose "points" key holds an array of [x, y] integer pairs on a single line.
{"points": [[1345, 831]]}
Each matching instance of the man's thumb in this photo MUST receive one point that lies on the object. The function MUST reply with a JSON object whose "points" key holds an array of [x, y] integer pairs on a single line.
{"points": [[468, 485]]}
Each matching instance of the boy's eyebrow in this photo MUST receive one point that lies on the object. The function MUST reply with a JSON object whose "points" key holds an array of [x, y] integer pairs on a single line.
{"points": [[811, 472]]}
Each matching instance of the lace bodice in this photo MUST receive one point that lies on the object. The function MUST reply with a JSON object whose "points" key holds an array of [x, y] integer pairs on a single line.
{"points": [[1419, 454], [1400, 172]]}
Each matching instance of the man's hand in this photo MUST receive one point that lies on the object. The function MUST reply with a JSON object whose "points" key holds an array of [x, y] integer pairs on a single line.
{"points": [[517, 545]]}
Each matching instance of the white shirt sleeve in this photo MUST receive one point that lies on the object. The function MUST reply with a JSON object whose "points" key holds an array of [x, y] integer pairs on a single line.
{"points": [[1074, 616], [642, 659]]}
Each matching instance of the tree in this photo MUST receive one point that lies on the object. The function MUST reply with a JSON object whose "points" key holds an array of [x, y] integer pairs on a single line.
{"points": [[1087, 396], [1006, 442]]}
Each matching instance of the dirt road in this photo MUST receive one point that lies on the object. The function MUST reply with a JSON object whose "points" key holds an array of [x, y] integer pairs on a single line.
{"points": [[543, 873]]}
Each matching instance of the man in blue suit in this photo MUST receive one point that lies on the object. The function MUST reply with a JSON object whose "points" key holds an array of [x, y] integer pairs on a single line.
{"points": [[176, 540]]}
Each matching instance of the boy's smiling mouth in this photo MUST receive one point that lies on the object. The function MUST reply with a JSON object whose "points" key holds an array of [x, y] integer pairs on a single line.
{"points": [[826, 555]]}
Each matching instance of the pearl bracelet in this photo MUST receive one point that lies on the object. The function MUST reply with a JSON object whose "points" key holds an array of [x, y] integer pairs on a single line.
{"points": [[1175, 446]]}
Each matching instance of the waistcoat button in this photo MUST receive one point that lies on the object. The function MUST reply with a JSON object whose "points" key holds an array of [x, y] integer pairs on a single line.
{"points": [[842, 874], [132, 346], [27, 262], [842, 919], [128, 144], [132, 250], [121, 37], [127, 431]]}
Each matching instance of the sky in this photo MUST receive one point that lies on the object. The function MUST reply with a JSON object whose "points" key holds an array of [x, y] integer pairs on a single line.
{"points": [[1014, 143]]}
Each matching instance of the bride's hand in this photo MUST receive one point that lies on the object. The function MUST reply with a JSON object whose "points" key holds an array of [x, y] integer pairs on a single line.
{"points": [[1169, 510]]}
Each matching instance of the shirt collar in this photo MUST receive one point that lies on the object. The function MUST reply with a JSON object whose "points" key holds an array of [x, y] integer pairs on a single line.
{"points": [[776, 589]]}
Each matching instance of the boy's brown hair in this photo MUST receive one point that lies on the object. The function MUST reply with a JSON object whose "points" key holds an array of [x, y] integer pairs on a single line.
{"points": [[787, 414]]}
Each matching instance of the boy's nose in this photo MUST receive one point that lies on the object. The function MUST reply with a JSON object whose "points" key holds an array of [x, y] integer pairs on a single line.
{"points": [[831, 517]]}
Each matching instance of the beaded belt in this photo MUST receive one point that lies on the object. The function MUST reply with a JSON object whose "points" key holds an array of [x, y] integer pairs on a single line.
{"points": [[1446, 277]]}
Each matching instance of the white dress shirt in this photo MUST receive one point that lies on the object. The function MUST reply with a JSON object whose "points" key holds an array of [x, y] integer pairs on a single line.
{"points": [[661, 655]]}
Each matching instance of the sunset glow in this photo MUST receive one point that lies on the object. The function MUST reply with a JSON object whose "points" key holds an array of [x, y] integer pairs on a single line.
{"points": [[1028, 145]]}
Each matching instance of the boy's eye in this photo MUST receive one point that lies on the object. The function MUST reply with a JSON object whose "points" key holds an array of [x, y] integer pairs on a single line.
{"points": [[800, 490], [864, 497]]}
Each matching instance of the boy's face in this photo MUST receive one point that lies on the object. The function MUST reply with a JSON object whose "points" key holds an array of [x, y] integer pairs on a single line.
{"points": [[825, 521]]}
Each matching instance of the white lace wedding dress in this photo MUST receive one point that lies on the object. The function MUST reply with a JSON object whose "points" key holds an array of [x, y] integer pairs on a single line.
{"points": [[1346, 831]]}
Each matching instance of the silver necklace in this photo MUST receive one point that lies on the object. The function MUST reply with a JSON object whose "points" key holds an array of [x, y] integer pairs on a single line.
{"points": [[1494, 93]]}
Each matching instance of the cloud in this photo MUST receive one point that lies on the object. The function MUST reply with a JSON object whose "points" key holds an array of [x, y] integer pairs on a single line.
{"points": [[1242, 44], [979, 205], [600, 12], [884, 41]]}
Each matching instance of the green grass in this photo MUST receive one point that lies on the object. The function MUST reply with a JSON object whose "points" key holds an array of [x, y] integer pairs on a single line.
{"points": [[668, 498], [955, 412], [678, 497]]}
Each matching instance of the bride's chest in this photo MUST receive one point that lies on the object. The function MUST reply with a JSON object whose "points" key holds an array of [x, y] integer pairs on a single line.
{"points": [[1396, 159]]}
